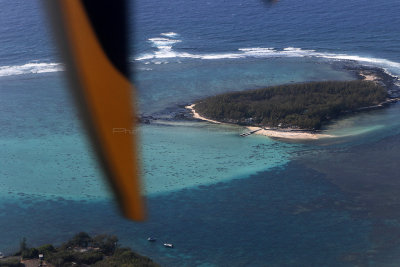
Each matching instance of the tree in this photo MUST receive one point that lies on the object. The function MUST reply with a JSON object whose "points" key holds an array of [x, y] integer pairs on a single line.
{"points": [[22, 247], [106, 243], [31, 253], [305, 105], [81, 239]]}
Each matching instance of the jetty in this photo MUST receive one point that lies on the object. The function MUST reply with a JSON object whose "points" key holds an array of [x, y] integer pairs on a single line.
{"points": [[249, 133]]}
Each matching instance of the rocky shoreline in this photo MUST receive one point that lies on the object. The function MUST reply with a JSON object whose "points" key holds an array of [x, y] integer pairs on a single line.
{"points": [[391, 83]]}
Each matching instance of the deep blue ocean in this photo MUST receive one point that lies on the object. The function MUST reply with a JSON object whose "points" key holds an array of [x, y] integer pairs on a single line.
{"points": [[222, 200]]}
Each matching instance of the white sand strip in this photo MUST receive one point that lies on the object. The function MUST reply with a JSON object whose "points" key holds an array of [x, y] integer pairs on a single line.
{"points": [[197, 115], [288, 134]]}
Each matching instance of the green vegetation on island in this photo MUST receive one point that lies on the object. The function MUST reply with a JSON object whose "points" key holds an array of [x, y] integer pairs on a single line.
{"points": [[302, 105], [81, 250]]}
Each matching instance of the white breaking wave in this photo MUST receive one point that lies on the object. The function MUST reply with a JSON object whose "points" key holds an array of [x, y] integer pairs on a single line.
{"points": [[160, 42], [170, 34], [257, 51], [164, 46], [165, 51], [28, 68], [261, 52]]}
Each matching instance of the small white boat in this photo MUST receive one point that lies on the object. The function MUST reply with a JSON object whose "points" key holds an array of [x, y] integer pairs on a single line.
{"points": [[1, 255], [168, 245], [151, 239]]}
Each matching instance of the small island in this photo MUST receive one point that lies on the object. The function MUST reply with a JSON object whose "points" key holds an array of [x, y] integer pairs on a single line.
{"points": [[296, 111]]}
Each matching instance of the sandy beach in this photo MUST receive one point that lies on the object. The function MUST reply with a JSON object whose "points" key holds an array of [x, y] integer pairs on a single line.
{"points": [[368, 76], [288, 134], [285, 134], [198, 116]]}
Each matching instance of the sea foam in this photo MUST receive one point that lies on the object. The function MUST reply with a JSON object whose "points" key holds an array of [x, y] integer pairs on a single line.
{"points": [[31, 67]]}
